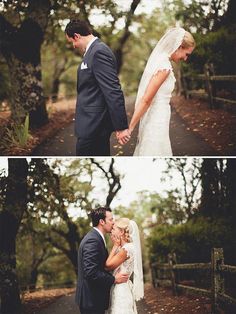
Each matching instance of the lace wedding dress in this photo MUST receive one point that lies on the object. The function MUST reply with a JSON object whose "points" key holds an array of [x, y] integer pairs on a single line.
{"points": [[122, 299], [153, 137]]}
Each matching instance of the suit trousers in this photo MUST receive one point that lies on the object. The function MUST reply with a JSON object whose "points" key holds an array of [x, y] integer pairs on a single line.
{"points": [[91, 312], [96, 146]]}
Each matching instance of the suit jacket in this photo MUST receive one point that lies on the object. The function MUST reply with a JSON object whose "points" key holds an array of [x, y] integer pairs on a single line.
{"points": [[100, 105], [94, 283]]}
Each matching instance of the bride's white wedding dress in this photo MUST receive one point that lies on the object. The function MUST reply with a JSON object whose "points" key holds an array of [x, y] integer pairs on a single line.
{"points": [[153, 137], [122, 300]]}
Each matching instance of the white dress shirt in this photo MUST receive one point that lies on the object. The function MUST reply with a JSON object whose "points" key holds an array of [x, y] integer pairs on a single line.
{"points": [[101, 235], [89, 44]]}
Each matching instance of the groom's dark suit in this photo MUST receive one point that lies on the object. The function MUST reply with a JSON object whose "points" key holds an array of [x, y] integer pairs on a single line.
{"points": [[94, 283], [100, 108]]}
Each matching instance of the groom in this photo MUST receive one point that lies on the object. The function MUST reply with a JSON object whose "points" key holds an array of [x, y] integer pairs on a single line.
{"points": [[94, 282], [100, 107]]}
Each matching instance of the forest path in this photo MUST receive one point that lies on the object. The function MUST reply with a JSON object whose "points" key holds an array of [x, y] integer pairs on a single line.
{"points": [[156, 301], [184, 142]]}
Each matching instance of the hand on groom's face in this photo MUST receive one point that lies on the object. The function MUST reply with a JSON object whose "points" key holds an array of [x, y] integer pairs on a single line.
{"points": [[115, 239]]}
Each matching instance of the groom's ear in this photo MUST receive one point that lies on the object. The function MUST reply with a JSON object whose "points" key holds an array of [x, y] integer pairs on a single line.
{"points": [[77, 36], [102, 221]]}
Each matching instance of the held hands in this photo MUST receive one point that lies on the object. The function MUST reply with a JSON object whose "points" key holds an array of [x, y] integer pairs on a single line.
{"points": [[123, 136]]}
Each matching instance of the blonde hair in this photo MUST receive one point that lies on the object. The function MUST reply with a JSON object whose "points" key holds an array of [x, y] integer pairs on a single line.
{"points": [[188, 40], [123, 224]]}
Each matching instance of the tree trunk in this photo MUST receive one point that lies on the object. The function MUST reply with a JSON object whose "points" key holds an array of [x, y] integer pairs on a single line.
{"points": [[230, 201], [231, 187], [73, 257], [27, 93], [118, 52], [10, 218], [210, 188], [55, 89], [60, 68], [33, 279], [21, 48], [229, 18]]}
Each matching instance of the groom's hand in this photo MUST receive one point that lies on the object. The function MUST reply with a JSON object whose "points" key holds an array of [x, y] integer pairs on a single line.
{"points": [[123, 136], [121, 278]]}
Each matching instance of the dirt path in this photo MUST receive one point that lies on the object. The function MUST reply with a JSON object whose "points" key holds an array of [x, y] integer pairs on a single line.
{"points": [[156, 301], [183, 141], [162, 300], [66, 305]]}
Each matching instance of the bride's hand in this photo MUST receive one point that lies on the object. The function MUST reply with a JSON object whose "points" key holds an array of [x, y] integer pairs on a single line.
{"points": [[116, 240], [130, 130]]}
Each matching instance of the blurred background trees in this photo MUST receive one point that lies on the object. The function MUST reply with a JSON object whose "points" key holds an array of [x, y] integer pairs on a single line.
{"points": [[26, 27], [36, 63], [211, 224]]}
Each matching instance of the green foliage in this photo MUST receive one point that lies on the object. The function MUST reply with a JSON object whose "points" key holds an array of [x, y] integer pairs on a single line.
{"points": [[59, 193], [192, 241], [15, 136], [140, 45], [185, 196], [216, 47], [215, 39], [162, 209], [199, 15], [59, 62], [56, 272], [18, 135]]}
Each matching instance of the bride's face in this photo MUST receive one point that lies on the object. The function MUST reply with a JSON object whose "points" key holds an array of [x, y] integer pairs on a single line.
{"points": [[116, 231], [181, 54]]}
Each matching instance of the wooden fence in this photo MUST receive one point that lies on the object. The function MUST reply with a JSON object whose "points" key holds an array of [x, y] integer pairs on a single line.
{"points": [[168, 272], [209, 93]]}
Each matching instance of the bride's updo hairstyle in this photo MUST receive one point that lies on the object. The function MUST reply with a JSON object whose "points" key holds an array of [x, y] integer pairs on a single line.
{"points": [[123, 224], [188, 41]]}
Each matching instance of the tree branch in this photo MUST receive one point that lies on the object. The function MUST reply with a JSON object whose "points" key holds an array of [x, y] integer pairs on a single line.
{"points": [[126, 33], [6, 34]]}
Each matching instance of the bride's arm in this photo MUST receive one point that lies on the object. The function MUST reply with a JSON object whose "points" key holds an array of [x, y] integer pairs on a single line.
{"points": [[144, 103], [116, 256], [115, 259]]}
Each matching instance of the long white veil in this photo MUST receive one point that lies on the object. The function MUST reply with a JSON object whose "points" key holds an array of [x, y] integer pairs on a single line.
{"points": [[138, 286], [168, 44]]}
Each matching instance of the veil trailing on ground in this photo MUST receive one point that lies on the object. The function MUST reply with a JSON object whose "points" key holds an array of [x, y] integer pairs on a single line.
{"points": [[138, 267], [167, 45]]}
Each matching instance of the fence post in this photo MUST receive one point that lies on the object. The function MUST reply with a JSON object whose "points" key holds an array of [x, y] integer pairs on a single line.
{"points": [[171, 262], [153, 276], [217, 258], [184, 84], [213, 87], [208, 71]]}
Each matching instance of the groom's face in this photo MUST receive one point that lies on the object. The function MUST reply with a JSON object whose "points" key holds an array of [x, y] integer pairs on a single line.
{"points": [[77, 42], [108, 222]]}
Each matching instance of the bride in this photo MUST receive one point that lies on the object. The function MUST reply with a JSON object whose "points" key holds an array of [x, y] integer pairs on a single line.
{"points": [[157, 83], [125, 257]]}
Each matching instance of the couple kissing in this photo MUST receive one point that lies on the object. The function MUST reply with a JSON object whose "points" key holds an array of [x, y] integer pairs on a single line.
{"points": [[109, 283]]}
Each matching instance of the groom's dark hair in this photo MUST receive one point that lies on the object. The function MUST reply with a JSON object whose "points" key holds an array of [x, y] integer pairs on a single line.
{"points": [[78, 27], [97, 214]]}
